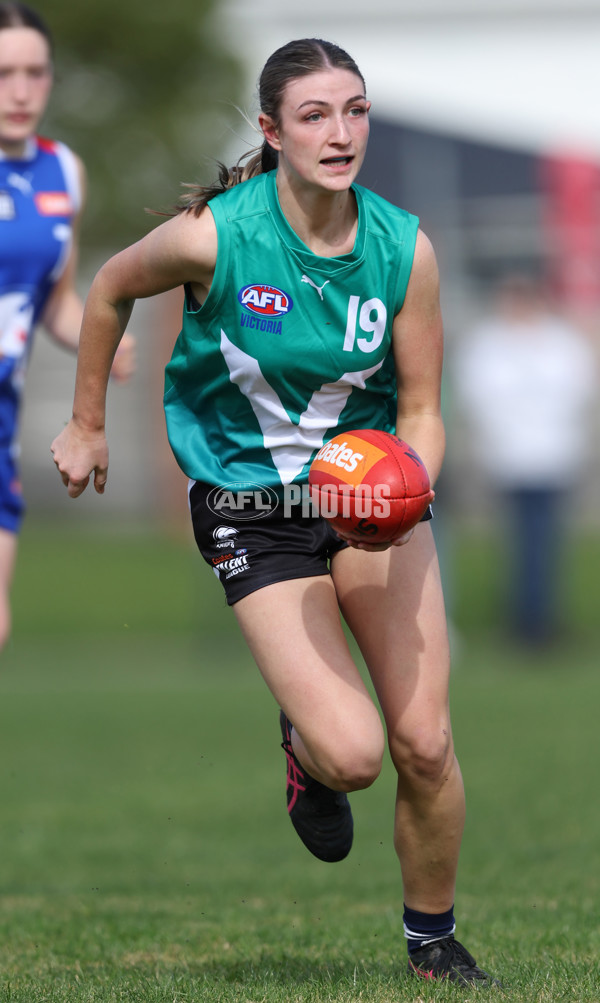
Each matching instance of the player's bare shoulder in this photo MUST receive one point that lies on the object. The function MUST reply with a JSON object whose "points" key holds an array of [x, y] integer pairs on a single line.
{"points": [[196, 237], [422, 299], [425, 266], [192, 238], [181, 250]]}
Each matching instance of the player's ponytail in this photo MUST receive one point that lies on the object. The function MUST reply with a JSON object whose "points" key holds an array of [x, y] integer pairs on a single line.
{"points": [[259, 160]]}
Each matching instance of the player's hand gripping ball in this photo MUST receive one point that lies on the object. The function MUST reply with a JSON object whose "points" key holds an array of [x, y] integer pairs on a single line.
{"points": [[370, 485]]}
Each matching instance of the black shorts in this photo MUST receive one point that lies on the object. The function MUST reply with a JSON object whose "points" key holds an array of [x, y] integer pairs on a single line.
{"points": [[264, 544]]}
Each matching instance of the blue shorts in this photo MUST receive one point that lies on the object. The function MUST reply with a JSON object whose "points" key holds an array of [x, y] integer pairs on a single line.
{"points": [[12, 506], [261, 546]]}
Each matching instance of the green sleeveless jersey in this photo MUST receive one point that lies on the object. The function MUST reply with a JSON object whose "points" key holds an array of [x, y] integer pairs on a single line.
{"points": [[289, 348]]}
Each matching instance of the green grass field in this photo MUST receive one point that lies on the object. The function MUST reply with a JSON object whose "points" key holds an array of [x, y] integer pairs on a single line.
{"points": [[146, 853]]}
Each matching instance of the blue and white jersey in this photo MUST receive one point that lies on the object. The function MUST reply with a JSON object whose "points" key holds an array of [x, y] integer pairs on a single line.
{"points": [[40, 194]]}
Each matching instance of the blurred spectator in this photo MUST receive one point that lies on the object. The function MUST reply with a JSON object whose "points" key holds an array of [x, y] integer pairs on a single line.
{"points": [[524, 381]]}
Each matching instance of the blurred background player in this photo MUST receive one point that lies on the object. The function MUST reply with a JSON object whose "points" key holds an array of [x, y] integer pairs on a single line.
{"points": [[42, 186], [525, 380]]}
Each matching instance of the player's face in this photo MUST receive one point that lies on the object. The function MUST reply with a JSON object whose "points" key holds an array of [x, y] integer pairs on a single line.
{"points": [[25, 82], [323, 129]]}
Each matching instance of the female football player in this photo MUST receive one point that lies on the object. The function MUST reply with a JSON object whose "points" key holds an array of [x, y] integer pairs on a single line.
{"points": [[41, 195], [311, 308]]}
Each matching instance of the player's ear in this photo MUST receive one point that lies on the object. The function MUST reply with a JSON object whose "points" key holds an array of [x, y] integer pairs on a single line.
{"points": [[270, 130]]}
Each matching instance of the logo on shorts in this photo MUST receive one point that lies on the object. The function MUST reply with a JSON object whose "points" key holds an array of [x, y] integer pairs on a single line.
{"points": [[241, 502], [229, 565], [224, 535]]}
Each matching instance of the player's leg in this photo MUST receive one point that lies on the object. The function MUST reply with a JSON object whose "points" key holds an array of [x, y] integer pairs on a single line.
{"points": [[394, 606], [8, 553], [393, 603], [332, 734], [11, 513], [273, 567], [295, 635]]}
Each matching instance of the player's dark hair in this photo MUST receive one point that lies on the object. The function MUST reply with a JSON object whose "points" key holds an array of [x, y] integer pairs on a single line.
{"points": [[296, 59], [19, 15]]}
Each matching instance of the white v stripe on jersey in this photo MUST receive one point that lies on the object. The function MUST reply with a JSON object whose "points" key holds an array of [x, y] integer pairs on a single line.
{"points": [[290, 445]]}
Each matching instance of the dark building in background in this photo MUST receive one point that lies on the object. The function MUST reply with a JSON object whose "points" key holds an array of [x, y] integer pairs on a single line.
{"points": [[491, 209]]}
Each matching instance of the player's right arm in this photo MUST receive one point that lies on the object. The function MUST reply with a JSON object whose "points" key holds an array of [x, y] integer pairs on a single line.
{"points": [[182, 250]]}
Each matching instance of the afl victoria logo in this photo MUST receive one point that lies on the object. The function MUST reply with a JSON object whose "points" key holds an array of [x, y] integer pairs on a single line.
{"points": [[265, 301]]}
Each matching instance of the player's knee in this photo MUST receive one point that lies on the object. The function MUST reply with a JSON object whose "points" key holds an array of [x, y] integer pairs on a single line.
{"points": [[354, 775], [423, 758], [356, 764]]}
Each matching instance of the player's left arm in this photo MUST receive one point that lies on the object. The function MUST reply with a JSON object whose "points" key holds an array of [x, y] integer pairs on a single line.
{"points": [[63, 313], [417, 339], [418, 354]]}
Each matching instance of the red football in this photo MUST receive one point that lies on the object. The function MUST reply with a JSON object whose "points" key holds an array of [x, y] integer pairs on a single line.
{"points": [[370, 485]]}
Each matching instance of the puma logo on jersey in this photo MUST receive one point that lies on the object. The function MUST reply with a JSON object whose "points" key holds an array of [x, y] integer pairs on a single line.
{"points": [[319, 289], [20, 182], [340, 455]]}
